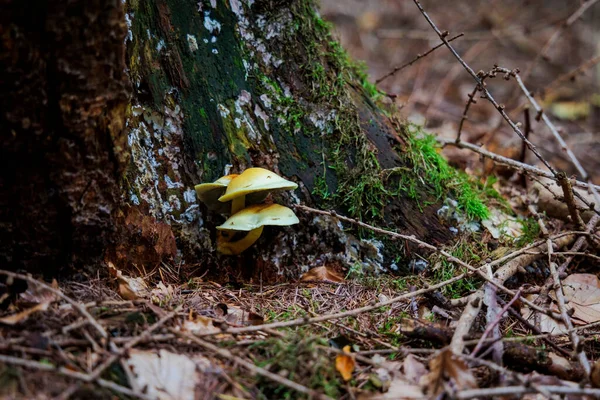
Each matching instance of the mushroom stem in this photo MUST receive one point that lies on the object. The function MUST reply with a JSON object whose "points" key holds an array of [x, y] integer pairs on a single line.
{"points": [[235, 248], [238, 204]]}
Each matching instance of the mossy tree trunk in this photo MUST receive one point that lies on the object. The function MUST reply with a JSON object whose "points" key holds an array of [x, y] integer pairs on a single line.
{"points": [[215, 86]]}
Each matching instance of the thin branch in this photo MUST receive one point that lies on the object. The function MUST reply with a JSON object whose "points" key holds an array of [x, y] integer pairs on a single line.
{"points": [[575, 340], [568, 22], [519, 166], [79, 307], [565, 185], [486, 93], [584, 175], [494, 323], [249, 366], [71, 374], [521, 390], [470, 100], [591, 225], [414, 60]]}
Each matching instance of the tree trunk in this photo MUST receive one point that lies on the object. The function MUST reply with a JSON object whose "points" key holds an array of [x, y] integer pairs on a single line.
{"points": [[216, 86]]}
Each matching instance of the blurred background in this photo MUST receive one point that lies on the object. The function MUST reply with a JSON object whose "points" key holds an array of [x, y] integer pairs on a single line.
{"points": [[555, 45]]}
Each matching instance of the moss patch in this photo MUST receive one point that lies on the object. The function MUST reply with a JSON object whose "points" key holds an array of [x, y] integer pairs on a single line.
{"points": [[433, 171]]}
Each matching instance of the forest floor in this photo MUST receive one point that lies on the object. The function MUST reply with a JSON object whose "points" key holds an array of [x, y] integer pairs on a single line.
{"points": [[510, 311]]}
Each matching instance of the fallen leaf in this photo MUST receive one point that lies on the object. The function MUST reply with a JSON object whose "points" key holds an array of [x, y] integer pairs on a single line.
{"points": [[582, 295], [414, 369], [199, 324], [501, 224], [23, 315], [345, 363], [235, 316], [394, 383], [129, 288], [446, 366], [161, 293], [571, 110], [322, 274], [36, 294], [166, 376]]}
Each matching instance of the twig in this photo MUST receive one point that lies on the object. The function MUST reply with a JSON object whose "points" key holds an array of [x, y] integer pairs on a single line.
{"points": [[577, 348], [528, 131], [584, 175], [95, 374], [568, 22], [71, 374], [79, 307], [129, 345], [494, 323], [539, 333], [465, 322], [486, 93], [414, 60], [579, 243], [509, 162], [251, 367], [471, 100], [565, 184], [571, 74], [521, 390], [523, 379]]}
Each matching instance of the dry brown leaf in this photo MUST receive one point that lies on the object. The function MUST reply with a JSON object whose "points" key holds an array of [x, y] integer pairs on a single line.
{"points": [[582, 295], [23, 315], [345, 363], [161, 293], [129, 288], [414, 369], [322, 274], [36, 294], [235, 316], [447, 366], [198, 324], [394, 383], [595, 375], [166, 376]]}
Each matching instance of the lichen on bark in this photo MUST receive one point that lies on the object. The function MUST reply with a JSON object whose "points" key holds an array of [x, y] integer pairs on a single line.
{"points": [[221, 86]]}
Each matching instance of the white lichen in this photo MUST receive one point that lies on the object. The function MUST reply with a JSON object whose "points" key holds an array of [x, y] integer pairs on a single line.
{"points": [[210, 24], [192, 43]]}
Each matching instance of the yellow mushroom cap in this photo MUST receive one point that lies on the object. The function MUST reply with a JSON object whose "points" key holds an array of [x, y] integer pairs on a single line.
{"points": [[255, 180], [259, 215], [209, 193]]}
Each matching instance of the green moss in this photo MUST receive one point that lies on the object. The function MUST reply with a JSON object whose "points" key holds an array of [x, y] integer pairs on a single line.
{"points": [[298, 359], [432, 170], [470, 251], [531, 231]]}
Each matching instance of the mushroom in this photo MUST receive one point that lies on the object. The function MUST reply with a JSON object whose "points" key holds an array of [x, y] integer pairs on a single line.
{"points": [[255, 182], [253, 219], [209, 193]]}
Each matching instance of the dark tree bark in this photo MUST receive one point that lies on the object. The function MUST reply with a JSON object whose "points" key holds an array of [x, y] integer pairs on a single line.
{"points": [[63, 91], [90, 174]]}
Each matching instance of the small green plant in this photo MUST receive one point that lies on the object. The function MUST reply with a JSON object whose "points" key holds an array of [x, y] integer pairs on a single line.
{"points": [[296, 357], [470, 251]]}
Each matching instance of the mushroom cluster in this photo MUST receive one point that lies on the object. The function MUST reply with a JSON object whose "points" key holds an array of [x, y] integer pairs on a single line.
{"points": [[242, 196]]}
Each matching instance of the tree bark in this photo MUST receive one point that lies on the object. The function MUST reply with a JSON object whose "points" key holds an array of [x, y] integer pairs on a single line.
{"points": [[216, 86]]}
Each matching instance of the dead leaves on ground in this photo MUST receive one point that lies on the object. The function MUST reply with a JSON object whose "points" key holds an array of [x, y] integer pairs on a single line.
{"points": [[322, 274], [447, 367], [165, 375], [582, 296], [409, 379], [35, 298]]}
